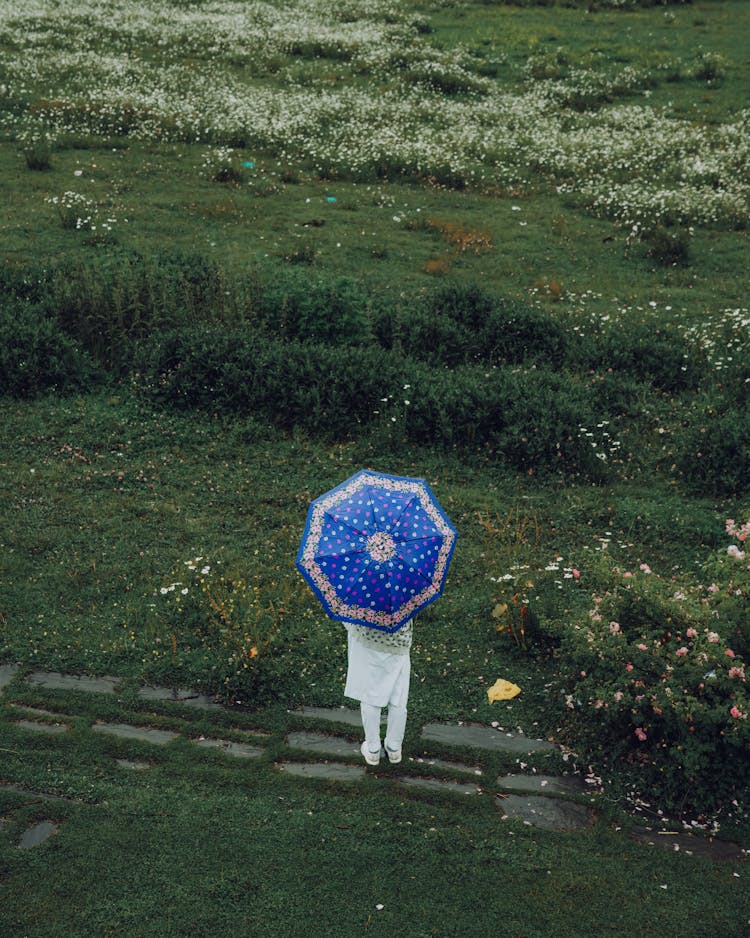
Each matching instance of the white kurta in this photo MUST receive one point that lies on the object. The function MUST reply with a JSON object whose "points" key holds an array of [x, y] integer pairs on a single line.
{"points": [[377, 677]]}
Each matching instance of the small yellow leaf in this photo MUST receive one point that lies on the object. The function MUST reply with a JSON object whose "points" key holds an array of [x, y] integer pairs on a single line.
{"points": [[502, 690], [500, 610]]}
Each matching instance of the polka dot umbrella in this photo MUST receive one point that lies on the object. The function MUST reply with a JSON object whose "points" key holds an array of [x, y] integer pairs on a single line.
{"points": [[376, 549]]}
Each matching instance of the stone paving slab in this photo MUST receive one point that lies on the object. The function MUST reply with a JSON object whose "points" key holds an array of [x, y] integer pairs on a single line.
{"points": [[332, 771], [547, 813], [143, 733], [334, 715], [437, 784], [428, 761], [7, 673], [184, 696], [37, 834], [546, 784], [57, 681], [52, 729], [474, 736], [691, 844], [239, 750], [133, 766], [320, 743]]}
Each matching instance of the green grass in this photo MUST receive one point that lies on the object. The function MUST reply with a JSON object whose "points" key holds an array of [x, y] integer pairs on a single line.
{"points": [[103, 496], [201, 844]]}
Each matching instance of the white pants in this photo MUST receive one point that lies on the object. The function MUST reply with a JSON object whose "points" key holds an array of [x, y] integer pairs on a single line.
{"points": [[394, 733], [378, 679]]}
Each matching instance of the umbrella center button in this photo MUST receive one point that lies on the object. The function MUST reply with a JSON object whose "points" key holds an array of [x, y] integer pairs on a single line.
{"points": [[380, 546]]}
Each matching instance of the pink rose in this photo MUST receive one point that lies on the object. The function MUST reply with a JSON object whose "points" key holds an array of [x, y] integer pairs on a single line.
{"points": [[737, 713], [628, 666], [614, 627], [729, 653], [681, 652], [641, 733], [713, 637], [691, 633], [737, 672], [576, 574], [641, 646], [645, 568]]}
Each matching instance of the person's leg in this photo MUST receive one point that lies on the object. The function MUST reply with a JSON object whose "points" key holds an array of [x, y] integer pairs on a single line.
{"points": [[394, 734], [371, 724]]}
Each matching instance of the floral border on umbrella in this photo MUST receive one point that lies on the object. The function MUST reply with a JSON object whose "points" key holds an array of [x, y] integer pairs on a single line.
{"points": [[383, 620]]}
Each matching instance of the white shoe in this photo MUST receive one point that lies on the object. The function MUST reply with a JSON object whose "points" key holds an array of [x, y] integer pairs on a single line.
{"points": [[371, 758], [394, 755]]}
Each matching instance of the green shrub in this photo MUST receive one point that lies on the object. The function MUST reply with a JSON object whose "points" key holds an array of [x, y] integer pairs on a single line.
{"points": [[36, 357], [653, 688], [296, 306], [662, 357], [727, 575], [530, 419], [712, 449], [667, 246]]}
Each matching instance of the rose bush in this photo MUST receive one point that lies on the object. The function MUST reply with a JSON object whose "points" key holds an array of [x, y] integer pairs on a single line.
{"points": [[654, 682]]}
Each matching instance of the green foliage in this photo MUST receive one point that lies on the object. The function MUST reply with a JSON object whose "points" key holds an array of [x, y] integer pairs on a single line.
{"points": [[36, 357], [667, 246], [530, 419], [712, 448], [654, 687]]}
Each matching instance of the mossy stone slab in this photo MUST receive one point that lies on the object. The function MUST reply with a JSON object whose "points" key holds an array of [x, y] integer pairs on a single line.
{"points": [[473, 736], [52, 729], [238, 750], [55, 680], [691, 844], [145, 734], [552, 814], [545, 784], [330, 771], [321, 743], [7, 673], [183, 696], [37, 834]]}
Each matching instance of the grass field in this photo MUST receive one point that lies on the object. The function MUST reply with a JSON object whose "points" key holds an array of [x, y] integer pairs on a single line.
{"points": [[310, 182]]}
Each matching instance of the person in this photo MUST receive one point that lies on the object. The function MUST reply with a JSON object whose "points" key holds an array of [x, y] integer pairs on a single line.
{"points": [[378, 673]]}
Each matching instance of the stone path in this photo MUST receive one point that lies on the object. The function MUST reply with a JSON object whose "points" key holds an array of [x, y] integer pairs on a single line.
{"points": [[557, 803]]}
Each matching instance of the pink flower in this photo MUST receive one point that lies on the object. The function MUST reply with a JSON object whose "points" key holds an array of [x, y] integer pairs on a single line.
{"points": [[681, 652], [737, 672], [713, 637], [691, 633], [737, 713], [628, 666], [641, 647], [645, 568], [627, 575], [599, 704], [734, 551], [617, 696], [614, 627], [713, 588], [729, 653], [641, 733], [576, 574]]}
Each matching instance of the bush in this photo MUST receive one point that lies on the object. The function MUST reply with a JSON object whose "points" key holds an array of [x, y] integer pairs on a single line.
{"points": [[712, 450], [531, 419], [217, 624], [670, 247], [652, 686], [36, 357], [659, 356]]}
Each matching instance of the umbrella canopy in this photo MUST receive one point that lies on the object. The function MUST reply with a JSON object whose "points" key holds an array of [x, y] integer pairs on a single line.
{"points": [[376, 549]]}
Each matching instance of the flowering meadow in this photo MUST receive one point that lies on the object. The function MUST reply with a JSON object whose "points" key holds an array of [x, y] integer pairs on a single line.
{"points": [[360, 92]]}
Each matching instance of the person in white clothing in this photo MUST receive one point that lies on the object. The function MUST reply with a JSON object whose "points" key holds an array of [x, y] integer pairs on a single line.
{"points": [[378, 676]]}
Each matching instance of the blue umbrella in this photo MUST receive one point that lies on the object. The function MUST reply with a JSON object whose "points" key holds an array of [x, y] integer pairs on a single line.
{"points": [[376, 549]]}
